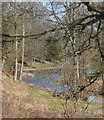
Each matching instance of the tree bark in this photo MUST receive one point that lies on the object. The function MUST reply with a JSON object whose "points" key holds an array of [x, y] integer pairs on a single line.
{"points": [[78, 70], [75, 56], [16, 61], [23, 41], [16, 45], [75, 63], [2, 65]]}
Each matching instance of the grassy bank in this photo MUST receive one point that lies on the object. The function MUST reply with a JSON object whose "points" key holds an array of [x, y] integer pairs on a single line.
{"points": [[21, 100], [42, 64]]}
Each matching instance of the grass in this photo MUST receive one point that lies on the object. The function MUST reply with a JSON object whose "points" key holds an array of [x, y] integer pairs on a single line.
{"points": [[24, 101], [45, 96], [27, 100], [44, 64]]}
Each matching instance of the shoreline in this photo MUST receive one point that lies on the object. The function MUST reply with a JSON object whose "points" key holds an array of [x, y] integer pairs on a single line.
{"points": [[35, 69]]}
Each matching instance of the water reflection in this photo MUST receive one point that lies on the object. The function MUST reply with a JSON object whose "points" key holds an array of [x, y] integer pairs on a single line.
{"points": [[94, 99], [45, 81]]}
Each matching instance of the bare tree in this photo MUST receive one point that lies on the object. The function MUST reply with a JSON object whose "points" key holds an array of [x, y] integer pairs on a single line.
{"points": [[16, 45], [23, 41]]}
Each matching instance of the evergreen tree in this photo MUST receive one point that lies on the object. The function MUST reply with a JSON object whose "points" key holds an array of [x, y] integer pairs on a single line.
{"points": [[52, 49]]}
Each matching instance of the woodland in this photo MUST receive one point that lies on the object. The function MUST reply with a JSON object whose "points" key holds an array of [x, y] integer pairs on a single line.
{"points": [[64, 36]]}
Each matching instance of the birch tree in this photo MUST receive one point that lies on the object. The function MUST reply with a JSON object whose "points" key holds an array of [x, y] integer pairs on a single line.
{"points": [[23, 42], [16, 45]]}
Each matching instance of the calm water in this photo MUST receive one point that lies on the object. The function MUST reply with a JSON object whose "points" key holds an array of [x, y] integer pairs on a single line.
{"points": [[46, 81]]}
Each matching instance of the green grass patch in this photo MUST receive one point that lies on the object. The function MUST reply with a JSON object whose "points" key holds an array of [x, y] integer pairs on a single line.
{"points": [[43, 65]]}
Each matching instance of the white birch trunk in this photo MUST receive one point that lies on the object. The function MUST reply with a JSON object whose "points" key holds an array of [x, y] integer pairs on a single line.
{"points": [[77, 67], [2, 64], [16, 45], [16, 61], [21, 70]]}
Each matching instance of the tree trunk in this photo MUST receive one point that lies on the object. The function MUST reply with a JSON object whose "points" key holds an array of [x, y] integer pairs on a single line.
{"points": [[21, 70], [75, 56], [2, 64], [16, 45], [16, 61], [75, 63], [78, 64]]}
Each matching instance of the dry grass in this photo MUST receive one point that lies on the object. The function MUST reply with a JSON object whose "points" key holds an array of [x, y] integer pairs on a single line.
{"points": [[20, 100]]}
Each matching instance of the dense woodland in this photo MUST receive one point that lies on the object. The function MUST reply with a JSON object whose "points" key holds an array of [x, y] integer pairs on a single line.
{"points": [[67, 34]]}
